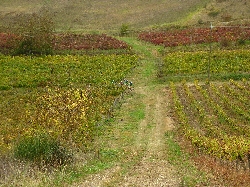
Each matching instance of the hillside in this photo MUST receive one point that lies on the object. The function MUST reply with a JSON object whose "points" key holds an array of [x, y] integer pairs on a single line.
{"points": [[109, 15], [229, 11]]}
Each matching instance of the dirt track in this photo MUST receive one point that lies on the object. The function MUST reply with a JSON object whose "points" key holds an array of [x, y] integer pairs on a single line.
{"points": [[152, 169]]}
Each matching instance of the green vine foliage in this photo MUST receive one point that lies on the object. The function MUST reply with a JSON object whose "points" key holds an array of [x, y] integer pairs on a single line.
{"points": [[63, 115], [203, 117], [65, 96]]}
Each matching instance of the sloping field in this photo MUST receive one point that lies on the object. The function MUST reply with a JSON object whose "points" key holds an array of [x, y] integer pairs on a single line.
{"points": [[109, 15], [93, 15]]}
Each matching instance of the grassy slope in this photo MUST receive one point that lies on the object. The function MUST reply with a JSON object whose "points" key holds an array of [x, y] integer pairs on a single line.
{"points": [[223, 11], [109, 15]]}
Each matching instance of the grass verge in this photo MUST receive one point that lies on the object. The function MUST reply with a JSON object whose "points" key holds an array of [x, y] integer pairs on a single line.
{"points": [[190, 175]]}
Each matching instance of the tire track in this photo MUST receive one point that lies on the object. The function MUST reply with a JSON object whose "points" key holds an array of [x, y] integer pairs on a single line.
{"points": [[153, 169]]}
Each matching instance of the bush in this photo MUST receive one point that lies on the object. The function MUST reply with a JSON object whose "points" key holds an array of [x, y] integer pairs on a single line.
{"points": [[124, 30], [41, 149], [225, 42], [241, 41], [213, 13], [226, 17], [35, 33]]}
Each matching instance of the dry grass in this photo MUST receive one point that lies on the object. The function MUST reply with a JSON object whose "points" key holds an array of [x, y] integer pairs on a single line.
{"points": [[95, 15], [229, 11], [103, 16]]}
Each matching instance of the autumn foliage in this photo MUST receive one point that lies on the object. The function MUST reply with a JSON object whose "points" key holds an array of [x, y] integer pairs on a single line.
{"points": [[87, 42], [68, 42], [196, 36]]}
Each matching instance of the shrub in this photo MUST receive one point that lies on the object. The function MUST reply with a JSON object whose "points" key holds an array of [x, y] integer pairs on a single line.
{"points": [[225, 42], [41, 149], [213, 13], [241, 41], [200, 21], [226, 17], [220, 1], [35, 33], [124, 30]]}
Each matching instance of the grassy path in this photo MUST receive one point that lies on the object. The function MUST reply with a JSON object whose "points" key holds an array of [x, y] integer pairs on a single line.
{"points": [[152, 169], [133, 148], [144, 123]]}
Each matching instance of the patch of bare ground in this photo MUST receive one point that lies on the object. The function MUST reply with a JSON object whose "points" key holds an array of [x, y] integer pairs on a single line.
{"points": [[100, 179]]}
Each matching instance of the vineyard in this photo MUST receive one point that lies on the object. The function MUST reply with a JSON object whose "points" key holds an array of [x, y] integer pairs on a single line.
{"points": [[63, 96], [70, 42], [63, 70], [189, 36], [125, 93], [221, 64], [215, 117], [209, 90], [87, 42], [68, 96]]}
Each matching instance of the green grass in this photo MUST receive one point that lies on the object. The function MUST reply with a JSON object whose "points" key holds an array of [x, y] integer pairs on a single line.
{"points": [[138, 113], [190, 175], [149, 54], [41, 149]]}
